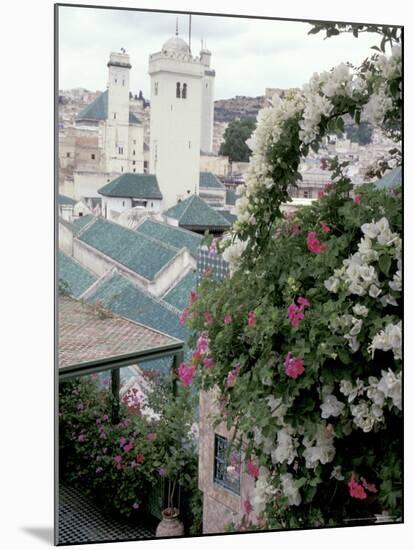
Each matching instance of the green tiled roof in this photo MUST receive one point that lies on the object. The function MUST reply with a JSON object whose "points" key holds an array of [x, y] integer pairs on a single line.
{"points": [[196, 213], [174, 236], [98, 110], [140, 186], [209, 180], [178, 296], [231, 197], [123, 298], [393, 178], [135, 251], [80, 222], [75, 277], [229, 216], [63, 199], [68, 225]]}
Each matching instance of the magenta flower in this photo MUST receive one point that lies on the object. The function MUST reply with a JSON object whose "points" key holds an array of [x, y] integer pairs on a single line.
{"points": [[186, 374], [293, 366], [325, 228], [99, 469], [152, 436], [357, 199], [202, 343], [208, 362], [303, 302], [135, 506], [208, 317], [247, 507], [252, 469], [122, 441], [128, 447], [314, 244], [228, 319], [233, 375], [98, 421], [118, 459], [368, 486], [321, 193], [251, 319], [140, 458], [193, 296], [161, 472], [295, 229], [295, 314], [81, 438], [355, 489], [105, 418], [183, 317]]}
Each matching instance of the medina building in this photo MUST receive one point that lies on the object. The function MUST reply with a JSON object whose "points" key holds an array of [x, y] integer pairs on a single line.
{"points": [[108, 138], [182, 106]]}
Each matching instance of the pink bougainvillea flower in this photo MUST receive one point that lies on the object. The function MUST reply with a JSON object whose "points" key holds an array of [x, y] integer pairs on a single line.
{"points": [[122, 441], [232, 375], [186, 374], [228, 319], [161, 472], [94, 376], [252, 469], [105, 418], [193, 296], [293, 366], [295, 229], [135, 506], [321, 193], [303, 302], [140, 458], [328, 187], [118, 459], [208, 362], [98, 421], [356, 490], [357, 199], [295, 314], [128, 447], [368, 486], [289, 214], [247, 507], [81, 438], [251, 319], [99, 469], [314, 244], [152, 436], [208, 317], [325, 227], [196, 357], [183, 316], [202, 343]]}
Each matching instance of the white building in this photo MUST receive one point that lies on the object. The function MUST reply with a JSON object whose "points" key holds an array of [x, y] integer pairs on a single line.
{"points": [[207, 107], [115, 133], [179, 108]]}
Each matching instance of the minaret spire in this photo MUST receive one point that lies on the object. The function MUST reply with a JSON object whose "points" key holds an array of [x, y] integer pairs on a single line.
{"points": [[176, 27]]}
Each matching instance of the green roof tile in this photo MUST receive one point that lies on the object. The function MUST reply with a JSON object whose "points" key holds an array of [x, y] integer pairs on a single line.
{"points": [[74, 276], [123, 298], [196, 213], [136, 251], [98, 110], [63, 199], [178, 296], [80, 222], [174, 236], [141, 186], [209, 180], [229, 216], [231, 197], [393, 178]]}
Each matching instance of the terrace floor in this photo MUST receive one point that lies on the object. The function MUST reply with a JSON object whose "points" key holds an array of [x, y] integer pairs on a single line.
{"points": [[81, 521]]}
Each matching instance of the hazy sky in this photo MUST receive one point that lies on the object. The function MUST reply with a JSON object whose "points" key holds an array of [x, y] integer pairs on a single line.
{"points": [[247, 54]]}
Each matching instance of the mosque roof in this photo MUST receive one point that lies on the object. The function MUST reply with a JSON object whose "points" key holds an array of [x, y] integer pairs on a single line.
{"points": [[98, 110], [138, 252], [195, 213], [63, 199], [132, 185], [75, 278], [122, 297], [210, 181], [176, 44], [393, 178], [173, 236]]}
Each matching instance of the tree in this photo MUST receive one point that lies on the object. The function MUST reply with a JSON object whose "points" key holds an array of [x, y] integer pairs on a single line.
{"points": [[235, 136]]}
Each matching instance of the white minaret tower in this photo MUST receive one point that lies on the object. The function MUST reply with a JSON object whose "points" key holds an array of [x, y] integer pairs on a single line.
{"points": [[207, 113], [117, 125], [175, 127]]}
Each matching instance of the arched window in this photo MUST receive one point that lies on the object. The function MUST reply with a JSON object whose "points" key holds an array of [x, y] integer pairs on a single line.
{"points": [[178, 90], [184, 90], [156, 88]]}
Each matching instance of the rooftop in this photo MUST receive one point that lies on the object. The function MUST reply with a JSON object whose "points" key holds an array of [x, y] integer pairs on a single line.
{"points": [[129, 185], [174, 236], [210, 181], [231, 197], [136, 251], [87, 334], [195, 213], [98, 110], [178, 296], [393, 178], [63, 200], [75, 277], [124, 298]]}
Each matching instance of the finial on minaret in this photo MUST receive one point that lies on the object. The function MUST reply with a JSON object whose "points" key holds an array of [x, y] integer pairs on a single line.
{"points": [[176, 27]]}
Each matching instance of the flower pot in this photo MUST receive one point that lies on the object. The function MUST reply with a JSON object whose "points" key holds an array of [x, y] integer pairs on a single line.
{"points": [[170, 525]]}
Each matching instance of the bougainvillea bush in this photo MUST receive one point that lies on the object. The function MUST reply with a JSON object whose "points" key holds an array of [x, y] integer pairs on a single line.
{"points": [[303, 340], [120, 463]]}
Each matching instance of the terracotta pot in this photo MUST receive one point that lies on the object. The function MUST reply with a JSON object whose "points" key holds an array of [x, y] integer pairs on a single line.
{"points": [[170, 525]]}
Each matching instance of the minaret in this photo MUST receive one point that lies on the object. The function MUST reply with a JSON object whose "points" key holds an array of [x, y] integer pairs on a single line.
{"points": [[207, 113], [175, 126], [117, 125]]}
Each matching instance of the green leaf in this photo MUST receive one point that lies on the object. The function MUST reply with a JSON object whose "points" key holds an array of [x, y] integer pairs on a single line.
{"points": [[384, 263]]}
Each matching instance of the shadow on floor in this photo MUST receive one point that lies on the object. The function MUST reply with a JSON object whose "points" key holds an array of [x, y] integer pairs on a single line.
{"points": [[43, 533]]}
